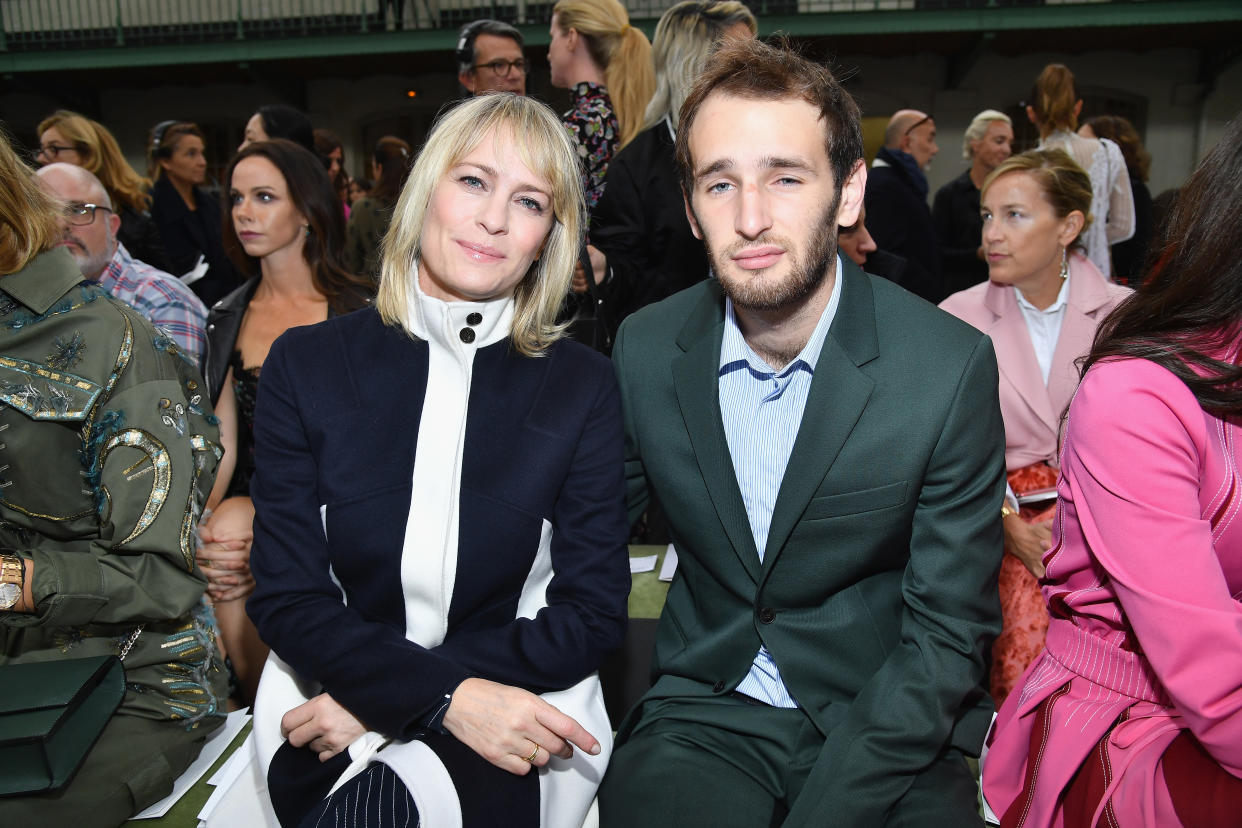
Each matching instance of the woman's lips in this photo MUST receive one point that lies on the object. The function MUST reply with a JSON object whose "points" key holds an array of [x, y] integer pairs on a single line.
{"points": [[758, 258], [481, 252]]}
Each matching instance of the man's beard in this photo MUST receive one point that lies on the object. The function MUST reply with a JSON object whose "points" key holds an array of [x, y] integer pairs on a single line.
{"points": [[805, 274]]}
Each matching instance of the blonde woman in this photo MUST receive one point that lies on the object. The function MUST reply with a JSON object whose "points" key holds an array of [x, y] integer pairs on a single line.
{"points": [[439, 535], [75, 139], [955, 211], [606, 63]]}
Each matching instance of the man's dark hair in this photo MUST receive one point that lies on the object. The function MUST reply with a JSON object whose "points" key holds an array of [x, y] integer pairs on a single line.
{"points": [[749, 68], [470, 33]]}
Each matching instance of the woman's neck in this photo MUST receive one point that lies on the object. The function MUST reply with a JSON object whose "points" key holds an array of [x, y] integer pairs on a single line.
{"points": [[287, 276], [1042, 289], [978, 172], [185, 189]]}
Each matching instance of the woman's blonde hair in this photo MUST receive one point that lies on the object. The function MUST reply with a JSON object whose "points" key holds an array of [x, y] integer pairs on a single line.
{"points": [[621, 50], [102, 155], [1065, 184], [545, 146], [684, 38], [979, 127], [28, 217]]}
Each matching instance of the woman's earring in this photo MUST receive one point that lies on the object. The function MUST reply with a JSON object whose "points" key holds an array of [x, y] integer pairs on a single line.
{"points": [[1064, 263], [306, 231]]}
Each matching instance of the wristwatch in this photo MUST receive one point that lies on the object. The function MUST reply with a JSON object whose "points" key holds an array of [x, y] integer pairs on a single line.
{"points": [[12, 579]]}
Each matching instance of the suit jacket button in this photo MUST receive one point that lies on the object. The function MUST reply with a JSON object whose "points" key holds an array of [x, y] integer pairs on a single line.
{"points": [[766, 616], [467, 335], [718, 687]]}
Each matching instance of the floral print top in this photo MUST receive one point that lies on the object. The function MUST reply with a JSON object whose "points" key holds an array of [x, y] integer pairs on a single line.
{"points": [[594, 128]]}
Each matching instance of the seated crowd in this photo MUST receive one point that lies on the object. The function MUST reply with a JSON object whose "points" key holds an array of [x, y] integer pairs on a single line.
{"points": [[351, 453]]}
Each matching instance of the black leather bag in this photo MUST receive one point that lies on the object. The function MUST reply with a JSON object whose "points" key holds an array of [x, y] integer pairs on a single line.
{"points": [[589, 320]]}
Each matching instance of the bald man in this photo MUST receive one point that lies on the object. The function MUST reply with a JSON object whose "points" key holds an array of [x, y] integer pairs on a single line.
{"points": [[88, 229], [896, 199]]}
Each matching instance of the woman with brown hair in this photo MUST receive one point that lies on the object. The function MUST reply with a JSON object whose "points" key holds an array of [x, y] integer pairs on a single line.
{"points": [[370, 216], [1041, 306], [1053, 108], [188, 216], [285, 232], [606, 63], [1128, 256], [75, 139]]}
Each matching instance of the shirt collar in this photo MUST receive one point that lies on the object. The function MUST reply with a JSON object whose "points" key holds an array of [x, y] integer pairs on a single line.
{"points": [[734, 352], [120, 262], [442, 322], [44, 280], [1062, 296]]}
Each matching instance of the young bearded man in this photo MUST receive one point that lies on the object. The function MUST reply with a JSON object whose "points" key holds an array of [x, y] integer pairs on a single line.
{"points": [[829, 451]]}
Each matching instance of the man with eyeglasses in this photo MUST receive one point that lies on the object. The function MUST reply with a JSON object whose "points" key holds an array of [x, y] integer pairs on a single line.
{"points": [[897, 213], [88, 227], [489, 58]]}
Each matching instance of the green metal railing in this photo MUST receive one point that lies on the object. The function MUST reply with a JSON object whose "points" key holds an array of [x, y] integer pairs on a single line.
{"points": [[34, 27]]}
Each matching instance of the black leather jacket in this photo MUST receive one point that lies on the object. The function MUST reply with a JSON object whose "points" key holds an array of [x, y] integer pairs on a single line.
{"points": [[223, 322]]}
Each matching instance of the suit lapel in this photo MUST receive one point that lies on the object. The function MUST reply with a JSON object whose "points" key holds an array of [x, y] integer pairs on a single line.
{"points": [[1015, 355], [838, 395], [1085, 306], [696, 374]]}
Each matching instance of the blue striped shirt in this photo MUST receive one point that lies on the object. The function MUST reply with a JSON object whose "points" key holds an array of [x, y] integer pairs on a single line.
{"points": [[762, 411]]}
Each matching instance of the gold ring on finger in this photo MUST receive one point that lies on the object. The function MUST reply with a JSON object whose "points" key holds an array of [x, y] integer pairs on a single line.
{"points": [[533, 754], [205, 564]]}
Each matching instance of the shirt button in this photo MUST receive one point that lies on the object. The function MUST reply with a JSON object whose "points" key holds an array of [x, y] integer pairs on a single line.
{"points": [[474, 318], [718, 687], [467, 335], [766, 616]]}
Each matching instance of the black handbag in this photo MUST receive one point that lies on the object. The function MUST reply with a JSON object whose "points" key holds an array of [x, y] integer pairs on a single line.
{"points": [[51, 714], [589, 319]]}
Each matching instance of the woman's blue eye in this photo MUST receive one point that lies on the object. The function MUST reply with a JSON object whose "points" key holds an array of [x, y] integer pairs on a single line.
{"points": [[472, 181], [531, 204]]}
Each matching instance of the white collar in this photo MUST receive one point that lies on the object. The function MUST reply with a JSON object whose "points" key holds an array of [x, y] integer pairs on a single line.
{"points": [[1062, 297], [443, 323]]}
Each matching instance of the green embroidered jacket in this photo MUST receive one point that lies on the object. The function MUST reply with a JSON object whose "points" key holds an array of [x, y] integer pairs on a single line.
{"points": [[108, 449]]}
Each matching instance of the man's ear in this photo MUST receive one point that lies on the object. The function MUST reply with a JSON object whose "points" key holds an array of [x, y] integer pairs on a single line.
{"points": [[694, 222], [467, 80], [852, 193], [114, 223]]}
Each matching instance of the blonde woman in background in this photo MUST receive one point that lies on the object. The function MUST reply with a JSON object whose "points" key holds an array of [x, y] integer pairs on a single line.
{"points": [[75, 139], [1054, 108], [955, 212], [640, 224], [606, 64]]}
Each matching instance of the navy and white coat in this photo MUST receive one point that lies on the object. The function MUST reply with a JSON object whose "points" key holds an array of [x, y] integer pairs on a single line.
{"points": [[427, 510]]}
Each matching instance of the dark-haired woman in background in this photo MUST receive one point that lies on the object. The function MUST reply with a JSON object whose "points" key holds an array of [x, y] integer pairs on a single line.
{"points": [[1133, 715], [1053, 109], [188, 217], [1128, 255], [278, 121], [286, 233], [368, 221], [75, 139]]}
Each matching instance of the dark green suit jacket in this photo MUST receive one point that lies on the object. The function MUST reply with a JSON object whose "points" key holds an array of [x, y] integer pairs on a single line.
{"points": [[877, 595]]}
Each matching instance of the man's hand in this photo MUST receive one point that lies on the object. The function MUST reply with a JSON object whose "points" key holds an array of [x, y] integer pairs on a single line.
{"points": [[1028, 542], [504, 725], [321, 724]]}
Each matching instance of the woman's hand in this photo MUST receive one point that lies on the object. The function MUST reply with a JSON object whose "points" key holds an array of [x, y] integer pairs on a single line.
{"points": [[599, 265], [322, 725], [1028, 542], [224, 549], [506, 724]]}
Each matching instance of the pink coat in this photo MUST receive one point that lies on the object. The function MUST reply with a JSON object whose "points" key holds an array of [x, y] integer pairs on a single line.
{"points": [[1031, 410], [1143, 583]]}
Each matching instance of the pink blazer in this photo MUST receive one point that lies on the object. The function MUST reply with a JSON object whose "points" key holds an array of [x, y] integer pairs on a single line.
{"points": [[1031, 410], [1143, 584]]}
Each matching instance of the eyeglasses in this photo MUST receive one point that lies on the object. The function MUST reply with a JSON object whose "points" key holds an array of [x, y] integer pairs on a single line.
{"points": [[918, 124], [80, 215], [501, 68], [50, 152]]}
